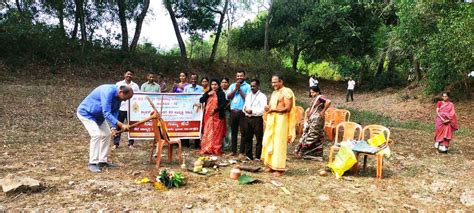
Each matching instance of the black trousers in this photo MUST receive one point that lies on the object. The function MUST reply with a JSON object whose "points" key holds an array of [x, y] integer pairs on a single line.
{"points": [[121, 117], [237, 120], [350, 93], [254, 126]]}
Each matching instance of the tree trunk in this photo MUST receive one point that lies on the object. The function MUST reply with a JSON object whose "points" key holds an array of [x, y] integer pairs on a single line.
{"points": [[18, 6], [363, 68], [266, 48], [123, 24], [416, 68], [138, 29], [218, 34], [61, 17], [229, 26], [296, 56], [381, 63], [83, 23], [182, 46], [391, 66], [76, 21], [192, 48]]}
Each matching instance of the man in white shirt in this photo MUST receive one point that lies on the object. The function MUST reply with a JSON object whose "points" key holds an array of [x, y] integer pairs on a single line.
{"points": [[313, 81], [253, 109], [350, 89], [127, 81]]}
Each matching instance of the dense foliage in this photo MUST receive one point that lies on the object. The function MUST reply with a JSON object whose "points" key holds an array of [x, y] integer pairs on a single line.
{"points": [[379, 43]]}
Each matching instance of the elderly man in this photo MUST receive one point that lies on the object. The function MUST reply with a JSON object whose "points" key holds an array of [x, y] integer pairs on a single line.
{"points": [[280, 127], [102, 105]]}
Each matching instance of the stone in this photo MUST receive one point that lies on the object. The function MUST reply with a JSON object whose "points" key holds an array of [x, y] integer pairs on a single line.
{"points": [[409, 207], [12, 184], [467, 198], [323, 197], [71, 183], [188, 206], [439, 186], [424, 198]]}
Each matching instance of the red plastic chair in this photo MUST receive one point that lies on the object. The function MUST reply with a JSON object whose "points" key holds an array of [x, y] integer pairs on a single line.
{"points": [[161, 138], [333, 118], [299, 120]]}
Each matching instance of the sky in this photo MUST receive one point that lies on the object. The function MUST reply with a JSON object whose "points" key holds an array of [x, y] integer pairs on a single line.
{"points": [[158, 29]]}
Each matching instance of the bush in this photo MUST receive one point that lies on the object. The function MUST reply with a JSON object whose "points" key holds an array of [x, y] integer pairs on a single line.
{"points": [[450, 53]]}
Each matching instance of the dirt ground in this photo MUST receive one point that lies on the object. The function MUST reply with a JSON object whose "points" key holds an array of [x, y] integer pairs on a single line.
{"points": [[41, 138]]}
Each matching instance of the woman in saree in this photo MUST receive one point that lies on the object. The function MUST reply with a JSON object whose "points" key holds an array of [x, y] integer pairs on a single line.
{"points": [[446, 123], [205, 84], [214, 120], [178, 87], [311, 142], [225, 86]]}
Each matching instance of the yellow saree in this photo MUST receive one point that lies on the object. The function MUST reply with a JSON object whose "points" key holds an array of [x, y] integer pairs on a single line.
{"points": [[279, 129]]}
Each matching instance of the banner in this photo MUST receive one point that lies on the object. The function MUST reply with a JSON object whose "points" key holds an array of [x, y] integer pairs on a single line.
{"points": [[182, 114]]}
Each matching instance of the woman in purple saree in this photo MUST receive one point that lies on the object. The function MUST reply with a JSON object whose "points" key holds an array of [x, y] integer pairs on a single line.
{"points": [[446, 123]]}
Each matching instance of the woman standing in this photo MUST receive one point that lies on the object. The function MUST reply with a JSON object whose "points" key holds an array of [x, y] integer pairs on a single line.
{"points": [[205, 84], [179, 86], [214, 120], [446, 123], [311, 142], [225, 87]]}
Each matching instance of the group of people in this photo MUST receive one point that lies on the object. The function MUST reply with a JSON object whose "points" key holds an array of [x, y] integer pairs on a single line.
{"points": [[230, 109]]}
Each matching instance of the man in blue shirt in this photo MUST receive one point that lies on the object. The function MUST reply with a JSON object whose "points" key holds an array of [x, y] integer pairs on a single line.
{"points": [[193, 88], [236, 95], [99, 107]]}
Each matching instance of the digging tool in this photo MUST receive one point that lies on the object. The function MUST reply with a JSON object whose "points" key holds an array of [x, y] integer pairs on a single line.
{"points": [[154, 115]]}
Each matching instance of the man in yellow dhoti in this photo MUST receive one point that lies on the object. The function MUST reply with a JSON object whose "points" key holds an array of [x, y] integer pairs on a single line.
{"points": [[279, 128]]}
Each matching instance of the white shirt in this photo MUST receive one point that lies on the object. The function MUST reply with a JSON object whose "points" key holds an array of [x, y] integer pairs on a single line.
{"points": [[225, 92], [471, 74], [135, 88], [351, 84], [313, 82], [255, 102]]}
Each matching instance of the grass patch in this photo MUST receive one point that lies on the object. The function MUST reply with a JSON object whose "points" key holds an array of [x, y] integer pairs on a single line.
{"points": [[366, 118]]}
